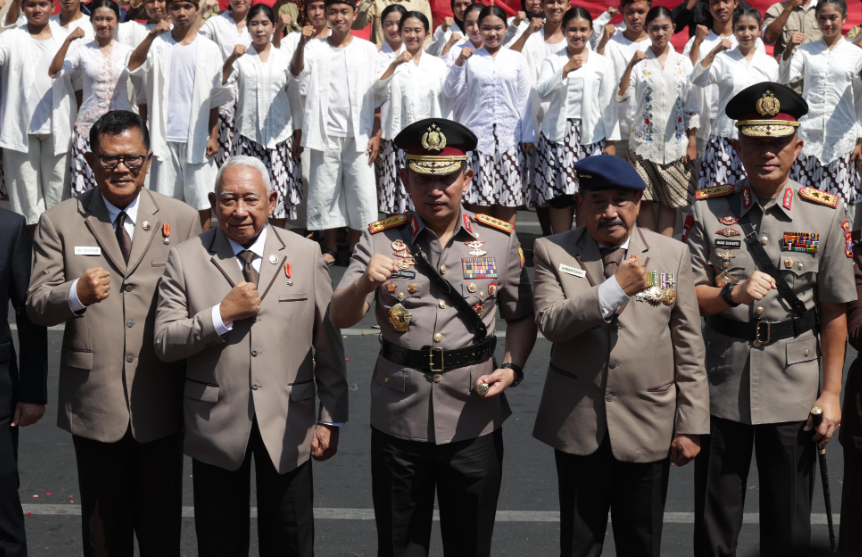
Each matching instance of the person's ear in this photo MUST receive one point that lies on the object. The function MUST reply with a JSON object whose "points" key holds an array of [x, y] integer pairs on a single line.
{"points": [[674, 27], [638, 197], [798, 148], [468, 179], [212, 198], [273, 199]]}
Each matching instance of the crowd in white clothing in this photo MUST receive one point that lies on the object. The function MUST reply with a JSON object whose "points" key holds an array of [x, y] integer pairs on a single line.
{"points": [[321, 107]]}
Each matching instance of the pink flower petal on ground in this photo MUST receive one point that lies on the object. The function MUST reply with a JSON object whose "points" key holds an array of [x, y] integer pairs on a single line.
{"points": [[49, 494], [35, 497]]}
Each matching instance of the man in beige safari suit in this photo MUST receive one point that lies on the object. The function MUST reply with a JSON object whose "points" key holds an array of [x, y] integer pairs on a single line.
{"points": [[626, 394], [247, 306], [97, 261], [773, 267], [437, 397]]}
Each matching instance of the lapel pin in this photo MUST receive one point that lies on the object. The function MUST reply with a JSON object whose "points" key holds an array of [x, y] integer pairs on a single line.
{"points": [[273, 259], [288, 273], [166, 232], [146, 225]]}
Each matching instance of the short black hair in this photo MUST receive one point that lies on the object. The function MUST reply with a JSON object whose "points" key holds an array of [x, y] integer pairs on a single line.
{"points": [[580, 12], [261, 8], [491, 11], [110, 4], [393, 8], [115, 123], [351, 3], [416, 15]]}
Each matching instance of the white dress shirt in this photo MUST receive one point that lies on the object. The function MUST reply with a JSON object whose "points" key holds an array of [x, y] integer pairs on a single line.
{"points": [[498, 92], [708, 96], [833, 91], [730, 73], [597, 109], [611, 294], [667, 106], [384, 58], [415, 93], [620, 51], [440, 38], [128, 225]]}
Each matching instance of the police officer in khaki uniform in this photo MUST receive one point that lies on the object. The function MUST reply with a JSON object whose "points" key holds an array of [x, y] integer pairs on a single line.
{"points": [[773, 268], [439, 276]]}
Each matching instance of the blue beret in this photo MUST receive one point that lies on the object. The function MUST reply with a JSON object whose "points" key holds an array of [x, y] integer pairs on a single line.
{"points": [[605, 172]]}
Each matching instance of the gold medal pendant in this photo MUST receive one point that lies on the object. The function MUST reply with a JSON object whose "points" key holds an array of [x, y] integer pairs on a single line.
{"points": [[725, 278], [399, 318]]}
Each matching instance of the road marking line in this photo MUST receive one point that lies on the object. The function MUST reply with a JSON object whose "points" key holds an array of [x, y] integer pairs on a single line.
{"points": [[368, 514]]}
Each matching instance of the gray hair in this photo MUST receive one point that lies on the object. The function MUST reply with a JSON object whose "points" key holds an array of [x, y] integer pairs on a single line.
{"points": [[250, 162]]}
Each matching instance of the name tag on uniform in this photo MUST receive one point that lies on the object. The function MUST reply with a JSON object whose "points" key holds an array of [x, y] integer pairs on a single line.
{"points": [[735, 244], [88, 250], [580, 273]]}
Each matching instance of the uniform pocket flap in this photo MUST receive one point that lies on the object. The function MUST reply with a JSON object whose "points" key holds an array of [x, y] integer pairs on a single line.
{"points": [[5, 352], [198, 390], [302, 391], [395, 379], [716, 343], [159, 262], [801, 350], [292, 297], [80, 359], [661, 388]]}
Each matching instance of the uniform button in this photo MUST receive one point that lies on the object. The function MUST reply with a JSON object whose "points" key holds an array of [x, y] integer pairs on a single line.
{"points": [[130, 358], [481, 294], [386, 380], [764, 239], [128, 288], [758, 310], [800, 266], [254, 352], [612, 365], [442, 269], [254, 386], [438, 378], [807, 352], [130, 323], [709, 343], [442, 304], [401, 295], [438, 337], [609, 398]]}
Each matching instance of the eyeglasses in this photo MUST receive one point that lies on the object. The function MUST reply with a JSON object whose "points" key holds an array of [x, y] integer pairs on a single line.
{"points": [[132, 162]]}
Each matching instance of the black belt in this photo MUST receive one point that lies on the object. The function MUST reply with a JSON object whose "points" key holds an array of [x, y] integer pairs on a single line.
{"points": [[433, 359], [763, 331]]}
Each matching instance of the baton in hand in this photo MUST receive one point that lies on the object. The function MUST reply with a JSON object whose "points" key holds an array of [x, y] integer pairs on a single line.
{"points": [[816, 420]]}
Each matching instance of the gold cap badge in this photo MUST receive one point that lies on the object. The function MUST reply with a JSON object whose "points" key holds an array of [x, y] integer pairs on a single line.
{"points": [[768, 105], [434, 140]]}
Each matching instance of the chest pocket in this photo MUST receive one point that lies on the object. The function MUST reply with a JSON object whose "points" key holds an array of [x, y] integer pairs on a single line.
{"points": [[799, 268], [484, 292], [737, 266]]}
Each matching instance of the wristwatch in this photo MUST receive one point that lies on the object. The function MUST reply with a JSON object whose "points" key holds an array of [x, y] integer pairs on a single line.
{"points": [[519, 373], [726, 290]]}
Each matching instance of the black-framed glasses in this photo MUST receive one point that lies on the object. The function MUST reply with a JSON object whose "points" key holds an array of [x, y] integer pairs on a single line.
{"points": [[133, 162]]}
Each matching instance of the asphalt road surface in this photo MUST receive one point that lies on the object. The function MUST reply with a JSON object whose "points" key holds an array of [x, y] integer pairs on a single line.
{"points": [[527, 522]]}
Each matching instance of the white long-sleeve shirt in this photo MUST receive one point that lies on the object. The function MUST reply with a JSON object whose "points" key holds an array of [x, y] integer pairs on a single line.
{"points": [[596, 82], [106, 81], [708, 95], [415, 93], [267, 111], [833, 91], [221, 30], [384, 58], [620, 51], [18, 65], [316, 73], [440, 37], [667, 105], [207, 94], [730, 73], [497, 92]]}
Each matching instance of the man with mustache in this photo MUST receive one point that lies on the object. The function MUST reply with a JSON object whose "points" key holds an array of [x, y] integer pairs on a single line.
{"points": [[774, 273], [625, 396]]}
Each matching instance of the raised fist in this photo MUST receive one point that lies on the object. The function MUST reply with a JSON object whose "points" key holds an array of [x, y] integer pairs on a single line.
{"points": [[465, 55], [701, 33], [379, 270], [519, 17], [613, 12], [161, 27], [307, 33], [241, 302], [610, 29], [93, 286], [448, 22], [631, 276], [76, 34], [403, 58], [536, 24], [238, 51], [284, 20], [639, 55]]}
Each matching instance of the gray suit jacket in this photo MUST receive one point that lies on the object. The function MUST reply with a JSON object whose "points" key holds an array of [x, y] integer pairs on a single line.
{"points": [[268, 365], [625, 377], [110, 377]]}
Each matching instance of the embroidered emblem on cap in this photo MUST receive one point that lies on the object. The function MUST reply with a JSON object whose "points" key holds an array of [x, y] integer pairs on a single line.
{"points": [[433, 140], [768, 105]]}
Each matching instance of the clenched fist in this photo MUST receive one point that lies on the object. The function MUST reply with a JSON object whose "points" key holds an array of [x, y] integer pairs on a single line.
{"points": [[613, 12], [576, 62], [755, 288], [722, 46], [465, 55], [284, 21], [380, 268], [241, 302], [448, 22], [402, 58], [631, 276], [238, 51], [161, 27], [638, 56], [78, 33], [610, 29], [519, 17], [536, 25], [700, 33], [93, 286], [307, 33], [454, 38]]}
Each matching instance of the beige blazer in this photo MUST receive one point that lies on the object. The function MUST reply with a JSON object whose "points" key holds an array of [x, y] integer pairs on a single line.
{"points": [[268, 365], [110, 377], [626, 377]]}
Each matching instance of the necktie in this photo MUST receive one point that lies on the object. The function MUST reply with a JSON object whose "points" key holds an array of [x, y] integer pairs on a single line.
{"points": [[123, 237], [612, 257], [248, 272]]}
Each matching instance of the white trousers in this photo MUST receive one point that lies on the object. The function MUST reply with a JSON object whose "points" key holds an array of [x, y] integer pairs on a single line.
{"points": [[38, 179], [341, 188], [181, 180]]}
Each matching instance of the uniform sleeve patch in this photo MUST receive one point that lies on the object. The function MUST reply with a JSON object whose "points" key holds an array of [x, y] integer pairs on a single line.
{"points": [[387, 223], [494, 223], [715, 191], [686, 228], [848, 238], [817, 196]]}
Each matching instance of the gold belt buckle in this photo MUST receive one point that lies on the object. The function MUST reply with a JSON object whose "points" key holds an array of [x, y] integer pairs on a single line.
{"points": [[431, 358], [759, 341]]}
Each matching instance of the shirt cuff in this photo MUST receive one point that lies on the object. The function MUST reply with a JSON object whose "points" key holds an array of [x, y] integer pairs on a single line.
{"points": [[611, 297], [333, 425], [220, 328], [74, 302]]}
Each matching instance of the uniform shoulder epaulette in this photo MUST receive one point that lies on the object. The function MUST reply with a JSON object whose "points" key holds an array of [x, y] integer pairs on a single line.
{"points": [[715, 191], [817, 196], [494, 223], [387, 223]]}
